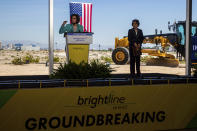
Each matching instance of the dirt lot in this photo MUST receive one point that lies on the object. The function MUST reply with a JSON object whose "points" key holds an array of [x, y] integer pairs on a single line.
{"points": [[8, 69]]}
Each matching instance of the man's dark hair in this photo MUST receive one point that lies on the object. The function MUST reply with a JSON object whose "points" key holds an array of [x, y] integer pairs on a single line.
{"points": [[77, 16], [137, 21]]}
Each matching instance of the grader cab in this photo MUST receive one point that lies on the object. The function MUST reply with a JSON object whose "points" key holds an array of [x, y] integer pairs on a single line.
{"points": [[120, 54]]}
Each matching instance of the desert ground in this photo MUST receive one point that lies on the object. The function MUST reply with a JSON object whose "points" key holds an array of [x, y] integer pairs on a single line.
{"points": [[9, 69]]}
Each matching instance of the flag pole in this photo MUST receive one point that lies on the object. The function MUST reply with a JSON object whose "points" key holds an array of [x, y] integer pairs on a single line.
{"points": [[188, 37], [51, 37]]}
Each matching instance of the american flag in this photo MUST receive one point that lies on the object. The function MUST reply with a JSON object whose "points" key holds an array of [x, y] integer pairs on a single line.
{"points": [[84, 10]]}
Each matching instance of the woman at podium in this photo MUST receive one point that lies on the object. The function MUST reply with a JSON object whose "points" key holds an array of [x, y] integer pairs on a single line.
{"points": [[73, 27]]}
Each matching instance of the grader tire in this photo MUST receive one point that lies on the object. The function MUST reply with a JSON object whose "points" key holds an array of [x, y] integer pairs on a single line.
{"points": [[120, 56]]}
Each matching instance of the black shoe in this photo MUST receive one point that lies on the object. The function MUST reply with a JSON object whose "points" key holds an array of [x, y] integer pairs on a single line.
{"points": [[131, 76], [139, 75]]}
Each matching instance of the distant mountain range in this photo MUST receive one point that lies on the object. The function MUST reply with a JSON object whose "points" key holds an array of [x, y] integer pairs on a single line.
{"points": [[45, 45], [24, 42]]}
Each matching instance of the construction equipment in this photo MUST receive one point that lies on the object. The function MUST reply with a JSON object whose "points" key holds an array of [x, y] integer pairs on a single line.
{"points": [[120, 54]]}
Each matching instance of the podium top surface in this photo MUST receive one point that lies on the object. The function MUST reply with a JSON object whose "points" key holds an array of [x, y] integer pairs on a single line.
{"points": [[81, 33]]}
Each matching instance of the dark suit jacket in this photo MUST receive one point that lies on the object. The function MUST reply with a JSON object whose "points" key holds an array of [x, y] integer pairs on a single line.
{"points": [[133, 38]]}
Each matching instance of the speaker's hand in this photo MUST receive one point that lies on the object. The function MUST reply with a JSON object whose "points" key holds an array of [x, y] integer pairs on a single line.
{"points": [[65, 22], [138, 46], [135, 45]]}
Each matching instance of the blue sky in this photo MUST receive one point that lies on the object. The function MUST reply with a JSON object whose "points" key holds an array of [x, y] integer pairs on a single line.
{"points": [[28, 19]]}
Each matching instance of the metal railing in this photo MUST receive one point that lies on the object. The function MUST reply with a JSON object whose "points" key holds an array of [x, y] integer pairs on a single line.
{"points": [[25, 84]]}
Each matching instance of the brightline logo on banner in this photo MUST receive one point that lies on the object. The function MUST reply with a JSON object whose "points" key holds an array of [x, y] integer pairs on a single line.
{"points": [[100, 100]]}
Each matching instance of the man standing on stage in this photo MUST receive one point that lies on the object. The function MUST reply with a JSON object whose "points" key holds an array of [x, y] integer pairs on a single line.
{"points": [[135, 37]]}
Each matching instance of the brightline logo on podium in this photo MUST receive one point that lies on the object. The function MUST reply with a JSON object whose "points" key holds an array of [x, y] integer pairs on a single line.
{"points": [[100, 100]]}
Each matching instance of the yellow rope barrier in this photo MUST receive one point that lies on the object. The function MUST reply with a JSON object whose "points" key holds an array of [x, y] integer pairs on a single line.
{"points": [[132, 81], [150, 81], [187, 82], [19, 84], [40, 84], [64, 83], [87, 82]]}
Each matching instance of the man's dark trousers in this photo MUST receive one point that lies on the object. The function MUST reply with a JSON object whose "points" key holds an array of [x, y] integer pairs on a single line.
{"points": [[134, 60]]}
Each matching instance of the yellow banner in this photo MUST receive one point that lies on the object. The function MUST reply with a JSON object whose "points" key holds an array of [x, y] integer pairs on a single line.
{"points": [[143, 108]]}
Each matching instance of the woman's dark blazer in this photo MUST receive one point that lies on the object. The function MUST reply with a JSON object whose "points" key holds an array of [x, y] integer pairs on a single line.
{"points": [[133, 38]]}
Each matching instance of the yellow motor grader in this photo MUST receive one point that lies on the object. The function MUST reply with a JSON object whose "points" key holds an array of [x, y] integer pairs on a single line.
{"points": [[120, 54]]}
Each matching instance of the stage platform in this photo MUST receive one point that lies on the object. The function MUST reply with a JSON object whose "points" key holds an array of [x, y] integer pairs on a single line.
{"points": [[43, 81]]}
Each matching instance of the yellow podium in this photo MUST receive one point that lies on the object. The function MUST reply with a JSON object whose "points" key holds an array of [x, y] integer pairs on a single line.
{"points": [[77, 46]]}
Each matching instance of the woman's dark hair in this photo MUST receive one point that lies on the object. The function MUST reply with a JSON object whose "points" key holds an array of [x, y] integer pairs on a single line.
{"points": [[77, 16], [137, 21]]}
